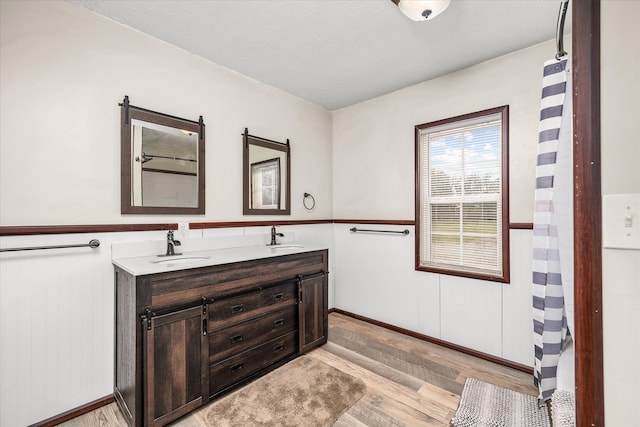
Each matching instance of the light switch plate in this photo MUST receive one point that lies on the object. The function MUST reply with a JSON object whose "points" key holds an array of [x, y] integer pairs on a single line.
{"points": [[621, 221]]}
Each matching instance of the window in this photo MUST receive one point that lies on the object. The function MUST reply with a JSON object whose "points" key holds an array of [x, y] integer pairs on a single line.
{"points": [[265, 191], [462, 204]]}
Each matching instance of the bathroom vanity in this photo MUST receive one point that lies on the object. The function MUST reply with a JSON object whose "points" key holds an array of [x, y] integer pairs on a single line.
{"points": [[191, 328]]}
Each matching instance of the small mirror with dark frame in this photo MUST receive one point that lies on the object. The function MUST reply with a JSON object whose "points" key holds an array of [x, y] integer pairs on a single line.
{"points": [[162, 164], [266, 174]]}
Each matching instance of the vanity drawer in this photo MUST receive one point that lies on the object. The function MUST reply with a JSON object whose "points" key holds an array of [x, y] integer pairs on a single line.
{"points": [[229, 311], [234, 369], [236, 339]]}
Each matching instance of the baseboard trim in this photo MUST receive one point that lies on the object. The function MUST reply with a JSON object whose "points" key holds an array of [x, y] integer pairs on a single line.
{"points": [[73, 413], [461, 349]]}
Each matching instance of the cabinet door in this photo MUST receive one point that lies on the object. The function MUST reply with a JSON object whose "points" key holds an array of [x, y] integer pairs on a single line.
{"points": [[175, 368], [313, 311]]}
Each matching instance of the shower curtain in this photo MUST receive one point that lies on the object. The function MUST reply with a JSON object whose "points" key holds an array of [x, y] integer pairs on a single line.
{"points": [[552, 228]]}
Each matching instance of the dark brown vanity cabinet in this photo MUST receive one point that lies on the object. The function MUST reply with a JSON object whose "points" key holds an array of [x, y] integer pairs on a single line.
{"points": [[185, 337]]}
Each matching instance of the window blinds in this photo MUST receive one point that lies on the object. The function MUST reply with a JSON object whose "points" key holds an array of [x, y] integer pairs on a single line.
{"points": [[460, 167]]}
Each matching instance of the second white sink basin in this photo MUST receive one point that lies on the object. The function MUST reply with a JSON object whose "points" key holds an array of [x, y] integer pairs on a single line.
{"points": [[286, 246], [178, 259]]}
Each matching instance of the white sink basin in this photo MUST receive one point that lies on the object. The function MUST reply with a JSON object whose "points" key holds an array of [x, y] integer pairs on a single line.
{"points": [[178, 259], [284, 247]]}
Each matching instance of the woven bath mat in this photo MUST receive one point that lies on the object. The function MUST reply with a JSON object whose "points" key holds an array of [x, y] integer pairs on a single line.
{"points": [[563, 408], [483, 404]]}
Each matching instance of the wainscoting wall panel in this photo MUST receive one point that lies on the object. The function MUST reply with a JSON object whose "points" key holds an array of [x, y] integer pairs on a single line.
{"points": [[517, 324], [56, 325], [428, 300], [471, 313], [375, 278]]}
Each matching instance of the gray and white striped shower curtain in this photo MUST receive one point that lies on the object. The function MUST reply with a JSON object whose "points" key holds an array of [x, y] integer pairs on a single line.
{"points": [[551, 332]]}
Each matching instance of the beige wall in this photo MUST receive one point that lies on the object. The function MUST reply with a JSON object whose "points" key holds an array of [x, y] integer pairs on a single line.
{"points": [[63, 70], [620, 111], [373, 169]]}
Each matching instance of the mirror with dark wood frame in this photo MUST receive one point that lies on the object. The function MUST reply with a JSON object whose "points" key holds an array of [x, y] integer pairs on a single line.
{"points": [[266, 171], [162, 163]]}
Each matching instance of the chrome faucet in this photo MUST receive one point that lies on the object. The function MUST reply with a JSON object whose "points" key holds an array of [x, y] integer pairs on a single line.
{"points": [[171, 244], [273, 236]]}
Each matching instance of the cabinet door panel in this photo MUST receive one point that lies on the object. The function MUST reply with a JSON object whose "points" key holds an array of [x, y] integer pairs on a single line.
{"points": [[313, 311], [176, 357]]}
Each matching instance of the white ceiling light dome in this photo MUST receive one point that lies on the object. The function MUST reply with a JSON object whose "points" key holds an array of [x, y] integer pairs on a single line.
{"points": [[422, 10]]}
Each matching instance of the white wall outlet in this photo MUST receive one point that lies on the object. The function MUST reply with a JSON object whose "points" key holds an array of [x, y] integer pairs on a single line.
{"points": [[183, 229], [621, 221]]}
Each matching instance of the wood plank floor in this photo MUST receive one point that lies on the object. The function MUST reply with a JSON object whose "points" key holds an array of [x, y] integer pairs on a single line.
{"points": [[409, 382]]}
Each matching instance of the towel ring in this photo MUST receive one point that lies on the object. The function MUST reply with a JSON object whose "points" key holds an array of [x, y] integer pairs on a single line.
{"points": [[304, 201]]}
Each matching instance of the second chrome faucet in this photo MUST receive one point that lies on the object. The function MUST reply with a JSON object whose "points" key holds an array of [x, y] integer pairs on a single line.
{"points": [[273, 236], [171, 244]]}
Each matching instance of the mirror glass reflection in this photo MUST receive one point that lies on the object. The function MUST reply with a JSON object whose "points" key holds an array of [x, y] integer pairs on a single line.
{"points": [[266, 171], [164, 166], [162, 163]]}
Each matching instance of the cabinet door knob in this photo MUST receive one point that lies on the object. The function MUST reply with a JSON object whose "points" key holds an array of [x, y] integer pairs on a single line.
{"points": [[278, 348], [237, 309], [278, 297], [237, 367], [236, 339], [278, 323]]}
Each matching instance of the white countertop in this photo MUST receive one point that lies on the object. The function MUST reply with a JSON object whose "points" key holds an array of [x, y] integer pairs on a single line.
{"points": [[139, 266]]}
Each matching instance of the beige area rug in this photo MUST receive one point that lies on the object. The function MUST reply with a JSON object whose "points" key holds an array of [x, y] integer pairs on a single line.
{"points": [[304, 392], [487, 405]]}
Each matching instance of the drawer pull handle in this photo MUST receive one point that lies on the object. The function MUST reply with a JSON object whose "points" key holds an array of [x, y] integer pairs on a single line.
{"points": [[236, 368], [278, 297], [236, 339], [278, 323], [278, 348], [237, 309]]}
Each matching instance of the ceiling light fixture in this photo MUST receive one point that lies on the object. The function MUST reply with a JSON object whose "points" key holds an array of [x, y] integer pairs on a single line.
{"points": [[421, 10]]}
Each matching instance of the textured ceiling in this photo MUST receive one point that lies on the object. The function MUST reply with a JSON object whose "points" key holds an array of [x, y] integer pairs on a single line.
{"points": [[335, 53]]}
